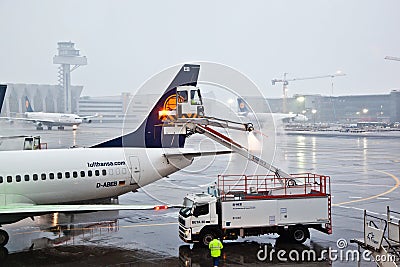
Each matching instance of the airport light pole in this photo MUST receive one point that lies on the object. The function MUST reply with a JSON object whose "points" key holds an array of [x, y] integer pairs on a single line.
{"points": [[314, 111]]}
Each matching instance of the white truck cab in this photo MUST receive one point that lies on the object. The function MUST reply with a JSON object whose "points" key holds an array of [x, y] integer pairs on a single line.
{"points": [[199, 211]]}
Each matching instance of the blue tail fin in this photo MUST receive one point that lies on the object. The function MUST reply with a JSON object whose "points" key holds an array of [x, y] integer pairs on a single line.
{"points": [[3, 89], [28, 105], [150, 134], [242, 105]]}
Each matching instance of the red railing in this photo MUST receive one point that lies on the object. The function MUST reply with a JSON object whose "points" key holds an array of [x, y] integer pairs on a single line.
{"points": [[271, 186]]}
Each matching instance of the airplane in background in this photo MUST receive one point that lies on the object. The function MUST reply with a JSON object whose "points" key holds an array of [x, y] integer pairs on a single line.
{"points": [[3, 89], [39, 182], [19, 142], [245, 111], [51, 119]]}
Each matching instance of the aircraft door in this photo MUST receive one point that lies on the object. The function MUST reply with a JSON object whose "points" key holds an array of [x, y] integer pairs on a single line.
{"points": [[135, 169]]}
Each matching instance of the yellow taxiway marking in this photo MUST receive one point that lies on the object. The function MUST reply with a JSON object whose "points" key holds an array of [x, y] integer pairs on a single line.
{"points": [[374, 196]]}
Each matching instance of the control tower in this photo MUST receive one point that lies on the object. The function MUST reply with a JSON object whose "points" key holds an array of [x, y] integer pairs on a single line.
{"points": [[67, 56]]}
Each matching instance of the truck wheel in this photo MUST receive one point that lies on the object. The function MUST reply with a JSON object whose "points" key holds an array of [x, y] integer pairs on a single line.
{"points": [[3, 238], [299, 234], [207, 237], [3, 253]]}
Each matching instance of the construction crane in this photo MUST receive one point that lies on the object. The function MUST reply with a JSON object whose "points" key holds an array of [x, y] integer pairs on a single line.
{"points": [[392, 58], [285, 83]]}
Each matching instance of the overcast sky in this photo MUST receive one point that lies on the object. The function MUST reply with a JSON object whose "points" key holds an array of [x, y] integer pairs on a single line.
{"points": [[126, 42]]}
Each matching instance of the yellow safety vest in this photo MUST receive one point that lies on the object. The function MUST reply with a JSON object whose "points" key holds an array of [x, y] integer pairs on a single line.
{"points": [[215, 247]]}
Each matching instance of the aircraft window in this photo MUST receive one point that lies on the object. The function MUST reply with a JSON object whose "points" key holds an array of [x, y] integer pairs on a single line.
{"points": [[59, 175], [35, 177], [90, 173], [110, 171], [67, 175], [18, 178], [51, 176], [104, 172], [43, 176], [1, 179], [117, 171], [97, 172], [9, 179], [82, 173], [75, 174], [26, 176], [182, 96], [123, 171]]}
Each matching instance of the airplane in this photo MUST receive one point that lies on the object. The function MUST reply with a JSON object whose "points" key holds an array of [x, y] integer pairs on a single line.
{"points": [[245, 111], [36, 182], [51, 119], [20, 141], [3, 89]]}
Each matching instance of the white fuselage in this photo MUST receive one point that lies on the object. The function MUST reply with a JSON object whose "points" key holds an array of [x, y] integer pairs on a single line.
{"points": [[80, 174], [54, 119]]}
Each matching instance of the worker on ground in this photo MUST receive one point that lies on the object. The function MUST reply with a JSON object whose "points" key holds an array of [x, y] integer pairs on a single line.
{"points": [[215, 247]]}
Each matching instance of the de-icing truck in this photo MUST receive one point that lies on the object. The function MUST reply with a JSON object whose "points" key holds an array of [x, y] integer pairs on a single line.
{"points": [[240, 206]]}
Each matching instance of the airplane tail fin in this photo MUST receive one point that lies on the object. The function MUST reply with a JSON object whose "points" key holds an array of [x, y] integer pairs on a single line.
{"points": [[150, 134], [3, 89], [28, 105], [242, 105]]}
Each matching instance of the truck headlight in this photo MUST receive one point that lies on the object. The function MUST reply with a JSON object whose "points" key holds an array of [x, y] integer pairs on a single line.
{"points": [[187, 232]]}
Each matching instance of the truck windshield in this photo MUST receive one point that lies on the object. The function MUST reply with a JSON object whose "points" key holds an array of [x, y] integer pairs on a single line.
{"points": [[195, 97], [186, 211]]}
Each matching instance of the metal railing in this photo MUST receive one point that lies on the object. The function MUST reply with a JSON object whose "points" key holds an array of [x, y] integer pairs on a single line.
{"points": [[270, 185]]}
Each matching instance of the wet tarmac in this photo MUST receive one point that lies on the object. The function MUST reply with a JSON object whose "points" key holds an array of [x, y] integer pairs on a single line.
{"points": [[364, 175]]}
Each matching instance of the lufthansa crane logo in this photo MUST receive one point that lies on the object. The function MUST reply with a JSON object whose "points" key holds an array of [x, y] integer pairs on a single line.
{"points": [[170, 103]]}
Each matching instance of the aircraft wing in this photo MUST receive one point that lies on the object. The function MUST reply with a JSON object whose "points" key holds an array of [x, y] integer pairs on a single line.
{"points": [[197, 153], [13, 136], [32, 210], [28, 119]]}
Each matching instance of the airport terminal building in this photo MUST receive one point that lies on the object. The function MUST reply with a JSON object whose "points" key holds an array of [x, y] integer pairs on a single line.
{"points": [[344, 109], [43, 97]]}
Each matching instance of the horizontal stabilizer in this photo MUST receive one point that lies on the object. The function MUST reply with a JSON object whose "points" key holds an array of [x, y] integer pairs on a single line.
{"points": [[197, 153]]}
